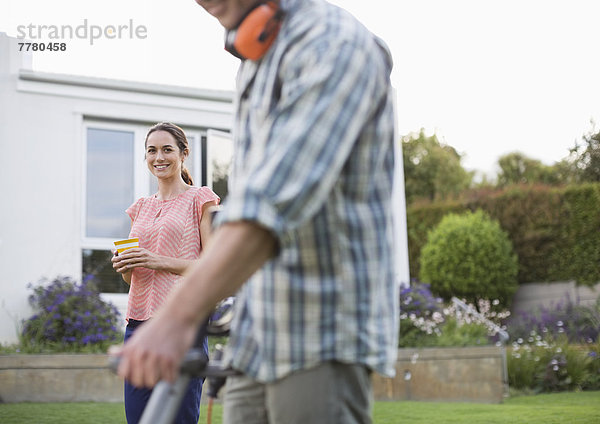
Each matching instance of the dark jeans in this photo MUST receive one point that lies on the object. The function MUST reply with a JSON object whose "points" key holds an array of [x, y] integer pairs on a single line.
{"points": [[137, 398]]}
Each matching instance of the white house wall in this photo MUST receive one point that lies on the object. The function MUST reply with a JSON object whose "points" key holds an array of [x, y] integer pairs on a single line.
{"points": [[42, 140]]}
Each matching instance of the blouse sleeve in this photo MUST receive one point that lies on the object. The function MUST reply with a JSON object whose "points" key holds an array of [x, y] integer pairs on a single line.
{"points": [[203, 196], [134, 209]]}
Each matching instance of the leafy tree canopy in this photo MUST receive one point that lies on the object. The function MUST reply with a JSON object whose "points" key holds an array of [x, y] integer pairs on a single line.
{"points": [[516, 168], [585, 157], [432, 170]]}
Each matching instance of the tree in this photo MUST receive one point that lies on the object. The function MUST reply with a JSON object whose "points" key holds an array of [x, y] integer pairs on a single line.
{"points": [[432, 170], [585, 157], [516, 168]]}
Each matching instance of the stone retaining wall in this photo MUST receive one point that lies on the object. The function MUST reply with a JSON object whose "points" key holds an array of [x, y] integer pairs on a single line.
{"points": [[532, 296], [470, 374], [58, 378], [474, 374]]}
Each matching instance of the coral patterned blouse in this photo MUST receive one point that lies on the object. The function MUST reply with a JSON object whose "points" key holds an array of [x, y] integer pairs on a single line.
{"points": [[167, 228]]}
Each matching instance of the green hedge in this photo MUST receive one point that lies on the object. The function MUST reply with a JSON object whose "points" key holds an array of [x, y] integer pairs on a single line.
{"points": [[555, 231]]}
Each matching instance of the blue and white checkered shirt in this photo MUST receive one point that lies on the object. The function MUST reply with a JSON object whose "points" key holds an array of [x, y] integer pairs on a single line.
{"points": [[314, 163]]}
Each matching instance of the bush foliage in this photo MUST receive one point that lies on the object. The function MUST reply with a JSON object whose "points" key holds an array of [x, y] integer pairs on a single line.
{"points": [[553, 365], [70, 317], [554, 230], [471, 257]]}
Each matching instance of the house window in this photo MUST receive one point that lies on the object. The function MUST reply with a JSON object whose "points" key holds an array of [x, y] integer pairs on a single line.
{"points": [[115, 175], [97, 265], [109, 182]]}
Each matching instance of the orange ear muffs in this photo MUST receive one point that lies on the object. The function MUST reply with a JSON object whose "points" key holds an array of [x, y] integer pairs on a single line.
{"points": [[256, 32]]}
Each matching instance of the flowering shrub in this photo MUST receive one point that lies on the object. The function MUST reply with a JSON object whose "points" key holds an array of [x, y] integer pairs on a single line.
{"points": [[417, 299], [70, 316], [556, 365], [580, 324], [592, 380], [555, 349], [426, 321], [551, 350], [420, 316]]}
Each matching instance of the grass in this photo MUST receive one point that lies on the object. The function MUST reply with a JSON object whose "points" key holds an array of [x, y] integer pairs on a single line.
{"points": [[559, 408]]}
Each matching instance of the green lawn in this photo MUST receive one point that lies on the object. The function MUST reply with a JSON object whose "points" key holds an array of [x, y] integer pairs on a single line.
{"points": [[559, 408]]}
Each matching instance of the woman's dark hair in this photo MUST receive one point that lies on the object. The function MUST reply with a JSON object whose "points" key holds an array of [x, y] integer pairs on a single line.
{"points": [[182, 143]]}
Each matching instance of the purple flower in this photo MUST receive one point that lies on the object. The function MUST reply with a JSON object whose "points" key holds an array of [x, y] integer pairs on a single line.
{"points": [[69, 313]]}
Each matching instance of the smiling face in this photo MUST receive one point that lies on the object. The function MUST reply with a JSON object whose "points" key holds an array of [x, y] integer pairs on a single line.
{"points": [[163, 157], [228, 12]]}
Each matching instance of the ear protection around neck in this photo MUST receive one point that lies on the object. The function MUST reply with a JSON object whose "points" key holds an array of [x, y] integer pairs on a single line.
{"points": [[256, 31]]}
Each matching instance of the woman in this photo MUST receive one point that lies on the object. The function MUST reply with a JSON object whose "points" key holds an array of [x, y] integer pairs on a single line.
{"points": [[172, 226]]}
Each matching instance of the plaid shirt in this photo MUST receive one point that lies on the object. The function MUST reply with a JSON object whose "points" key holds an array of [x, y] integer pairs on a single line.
{"points": [[314, 163]]}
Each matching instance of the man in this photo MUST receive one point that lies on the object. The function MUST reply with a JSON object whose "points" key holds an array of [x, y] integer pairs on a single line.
{"points": [[305, 238]]}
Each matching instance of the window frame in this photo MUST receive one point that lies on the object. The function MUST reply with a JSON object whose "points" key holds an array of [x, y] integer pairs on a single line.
{"points": [[211, 138], [105, 243]]}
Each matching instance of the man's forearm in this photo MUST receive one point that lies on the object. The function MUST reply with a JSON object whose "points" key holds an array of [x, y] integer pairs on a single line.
{"points": [[235, 252]]}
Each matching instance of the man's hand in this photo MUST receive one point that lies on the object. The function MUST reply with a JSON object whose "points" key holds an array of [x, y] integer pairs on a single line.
{"points": [[155, 351]]}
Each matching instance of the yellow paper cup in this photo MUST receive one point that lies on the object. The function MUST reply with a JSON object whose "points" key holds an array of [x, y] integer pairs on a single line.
{"points": [[123, 245]]}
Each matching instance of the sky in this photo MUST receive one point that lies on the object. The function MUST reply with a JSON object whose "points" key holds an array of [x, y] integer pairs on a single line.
{"points": [[487, 77]]}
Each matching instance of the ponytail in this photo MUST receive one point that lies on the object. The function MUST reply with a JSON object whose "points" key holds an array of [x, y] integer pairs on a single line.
{"points": [[185, 174]]}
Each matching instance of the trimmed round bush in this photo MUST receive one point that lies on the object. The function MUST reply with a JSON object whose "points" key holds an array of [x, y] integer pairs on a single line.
{"points": [[469, 256]]}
